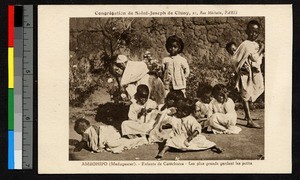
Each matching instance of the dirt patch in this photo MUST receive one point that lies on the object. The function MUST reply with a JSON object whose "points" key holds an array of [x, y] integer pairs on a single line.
{"points": [[249, 144]]}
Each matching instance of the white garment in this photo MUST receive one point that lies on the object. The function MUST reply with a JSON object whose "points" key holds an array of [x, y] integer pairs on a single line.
{"points": [[176, 71], [157, 134], [182, 129], [107, 137], [250, 85], [139, 125], [223, 118]]}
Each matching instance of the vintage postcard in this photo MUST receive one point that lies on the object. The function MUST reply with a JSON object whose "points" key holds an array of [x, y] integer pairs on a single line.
{"points": [[164, 88]]}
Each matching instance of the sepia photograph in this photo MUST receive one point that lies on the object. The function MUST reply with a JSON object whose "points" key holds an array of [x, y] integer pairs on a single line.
{"points": [[166, 88]]}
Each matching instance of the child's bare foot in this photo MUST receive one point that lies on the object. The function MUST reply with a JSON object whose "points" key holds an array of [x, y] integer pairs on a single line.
{"points": [[131, 136], [216, 149], [158, 157], [252, 124]]}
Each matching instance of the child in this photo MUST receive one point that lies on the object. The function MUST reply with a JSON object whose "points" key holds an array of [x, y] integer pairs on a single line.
{"points": [[161, 129], [142, 113], [202, 110], [187, 132], [224, 117], [231, 47], [249, 84], [175, 67], [97, 138]]}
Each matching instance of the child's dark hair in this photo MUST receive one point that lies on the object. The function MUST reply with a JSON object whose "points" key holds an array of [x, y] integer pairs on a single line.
{"points": [[142, 91], [228, 45], [219, 89], [172, 39], [186, 106], [175, 95], [253, 22], [204, 89], [80, 124]]}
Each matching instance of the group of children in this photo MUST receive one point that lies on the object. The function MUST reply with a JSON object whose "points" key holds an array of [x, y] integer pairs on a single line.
{"points": [[179, 121]]}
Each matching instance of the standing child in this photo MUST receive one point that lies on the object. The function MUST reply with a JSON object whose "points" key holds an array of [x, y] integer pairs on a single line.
{"points": [[98, 138], [142, 113], [224, 117], [187, 132], [176, 68], [250, 82]]}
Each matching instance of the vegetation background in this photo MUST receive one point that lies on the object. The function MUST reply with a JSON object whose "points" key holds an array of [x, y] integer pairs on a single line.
{"points": [[95, 42]]}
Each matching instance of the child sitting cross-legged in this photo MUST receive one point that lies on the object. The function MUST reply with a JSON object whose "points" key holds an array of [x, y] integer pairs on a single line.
{"points": [[142, 113], [162, 127], [187, 131], [103, 137], [224, 117]]}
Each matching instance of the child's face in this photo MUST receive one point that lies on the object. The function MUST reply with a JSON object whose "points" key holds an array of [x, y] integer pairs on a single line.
{"points": [[232, 49], [170, 102], [117, 70], [206, 98], [221, 98], [141, 100], [173, 48], [180, 113], [81, 128], [252, 32]]}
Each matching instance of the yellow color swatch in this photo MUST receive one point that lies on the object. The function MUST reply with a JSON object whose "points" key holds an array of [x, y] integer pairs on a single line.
{"points": [[10, 67]]}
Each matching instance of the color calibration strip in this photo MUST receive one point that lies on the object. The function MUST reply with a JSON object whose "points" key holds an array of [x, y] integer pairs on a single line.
{"points": [[11, 157], [20, 86]]}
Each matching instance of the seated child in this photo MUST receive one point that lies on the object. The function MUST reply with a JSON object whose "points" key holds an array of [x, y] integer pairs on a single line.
{"points": [[224, 117], [97, 138], [187, 131], [162, 128], [142, 113], [202, 110]]}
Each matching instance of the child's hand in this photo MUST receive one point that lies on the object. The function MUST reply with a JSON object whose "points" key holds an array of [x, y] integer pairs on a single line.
{"points": [[142, 112], [189, 138], [186, 143], [166, 126], [172, 111], [149, 110], [99, 150], [77, 149]]}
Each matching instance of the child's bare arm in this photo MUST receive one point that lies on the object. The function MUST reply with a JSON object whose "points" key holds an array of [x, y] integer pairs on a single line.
{"points": [[195, 133], [186, 69], [79, 146], [191, 137]]}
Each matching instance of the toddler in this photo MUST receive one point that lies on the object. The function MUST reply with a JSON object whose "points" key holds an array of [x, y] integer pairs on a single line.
{"points": [[176, 68]]}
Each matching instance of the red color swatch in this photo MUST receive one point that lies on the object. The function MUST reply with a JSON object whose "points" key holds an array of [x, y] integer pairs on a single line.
{"points": [[11, 13]]}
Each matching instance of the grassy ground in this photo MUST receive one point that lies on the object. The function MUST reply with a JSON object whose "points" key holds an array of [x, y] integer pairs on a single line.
{"points": [[248, 144]]}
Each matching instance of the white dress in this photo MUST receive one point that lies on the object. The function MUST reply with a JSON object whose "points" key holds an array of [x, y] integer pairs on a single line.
{"points": [[108, 138], [143, 124], [202, 111], [157, 134], [223, 118], [182, 129]]}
